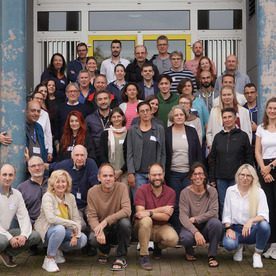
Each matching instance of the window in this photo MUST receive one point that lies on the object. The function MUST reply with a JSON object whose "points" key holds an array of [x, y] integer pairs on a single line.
{"points": [[59, 21], [219, 19], [138, 20]]}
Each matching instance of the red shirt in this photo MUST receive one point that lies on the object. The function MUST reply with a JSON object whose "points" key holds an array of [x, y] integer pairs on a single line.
{"points": [[145, 197]]}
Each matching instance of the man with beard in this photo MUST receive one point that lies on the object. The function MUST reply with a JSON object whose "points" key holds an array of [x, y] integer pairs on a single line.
{"points": [[108, 65], [198, 53], [97, 122], [32, 191], [207, 91], [154, 203]]}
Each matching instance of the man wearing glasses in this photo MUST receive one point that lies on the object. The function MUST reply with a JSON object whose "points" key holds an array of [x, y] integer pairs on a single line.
{"points": [[162, 59], [75, 66]]}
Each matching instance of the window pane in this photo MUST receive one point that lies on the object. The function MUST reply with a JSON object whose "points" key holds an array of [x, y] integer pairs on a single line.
{"points": [[139, 20], [59, 21], [219, 19]]}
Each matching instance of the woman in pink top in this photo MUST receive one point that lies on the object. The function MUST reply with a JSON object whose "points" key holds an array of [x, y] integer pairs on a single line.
{"points": [[130, 95]]}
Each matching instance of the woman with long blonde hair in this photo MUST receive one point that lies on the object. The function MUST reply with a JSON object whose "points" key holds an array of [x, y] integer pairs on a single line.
{"points": [[245, 215]]}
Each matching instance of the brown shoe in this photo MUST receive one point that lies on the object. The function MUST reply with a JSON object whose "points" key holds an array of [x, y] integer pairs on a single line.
{"points": [[7, 260], [145, 262]]}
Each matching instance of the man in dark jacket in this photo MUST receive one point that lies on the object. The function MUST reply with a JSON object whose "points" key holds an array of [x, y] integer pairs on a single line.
{"points": [[133, 70]]}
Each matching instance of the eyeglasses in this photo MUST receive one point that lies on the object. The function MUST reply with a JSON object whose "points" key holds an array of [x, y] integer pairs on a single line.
{"points": [[243, 175], [198, 174], [144, 111], [38, 99], [72, 91], [36, 165], [156, 174]]}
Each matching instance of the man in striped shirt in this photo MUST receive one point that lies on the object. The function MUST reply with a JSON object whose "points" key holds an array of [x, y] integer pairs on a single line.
{"points": [[177, 72]]}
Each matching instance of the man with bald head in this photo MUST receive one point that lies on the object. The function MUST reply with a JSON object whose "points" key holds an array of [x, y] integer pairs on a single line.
{"points": [[16, 240], [34, 131], [133, 70], [241, 79]]}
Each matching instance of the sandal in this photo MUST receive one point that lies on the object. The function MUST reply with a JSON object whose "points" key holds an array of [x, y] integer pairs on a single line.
{"points": [[121, 265], [103, 259], [211, 259], [190, 258]]}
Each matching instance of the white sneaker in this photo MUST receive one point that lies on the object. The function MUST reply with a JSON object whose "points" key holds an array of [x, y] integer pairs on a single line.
{"points": [[271, 252], [150, 246], [237, 257], [50, 265], [257, 261], [59, 258]]}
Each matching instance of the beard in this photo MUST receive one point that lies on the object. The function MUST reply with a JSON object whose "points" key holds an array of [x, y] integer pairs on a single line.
{"points": [[206, 84], [162, 182]]}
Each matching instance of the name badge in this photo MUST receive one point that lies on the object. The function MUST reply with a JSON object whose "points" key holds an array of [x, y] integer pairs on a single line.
{"points": [[153, 138], [70, 148], [58, 212], [12, 206], [184, 136], [121, 141], [62, 81], [78, 195], [36, 150]]}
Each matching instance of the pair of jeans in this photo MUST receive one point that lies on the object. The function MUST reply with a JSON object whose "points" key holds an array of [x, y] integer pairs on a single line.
{"points": [[59, 236], [259, 234], [178, 181], [140, 179], [117, 233], [222, 185]]}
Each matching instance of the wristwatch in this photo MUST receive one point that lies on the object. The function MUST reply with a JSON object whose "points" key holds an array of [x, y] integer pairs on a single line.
{"points": [[271, 166], [151, 214], [228, 227]]}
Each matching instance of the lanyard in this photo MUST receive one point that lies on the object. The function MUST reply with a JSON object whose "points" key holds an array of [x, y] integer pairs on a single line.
{"points": [[33, 137]]}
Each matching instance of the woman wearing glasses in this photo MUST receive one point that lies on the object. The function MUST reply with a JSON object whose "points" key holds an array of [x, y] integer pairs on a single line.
{"points": [[199, 215], [245, 215]]}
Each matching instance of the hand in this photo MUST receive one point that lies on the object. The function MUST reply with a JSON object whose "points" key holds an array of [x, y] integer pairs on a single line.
{"points": [[118, 174], [26, 155], [230, 234], [168, 210], [49, 157], [268, 178], [13, 242], [131, 180], [98, 230], [101, 238], [213, 184], [73, 241], [76, 231], [192, 220], [265, 170], [142, 214], [5, 140], [57, 147], [247, 228], [21, 240], [72, 72], [200, 241], [254, 126], [210, 148]]}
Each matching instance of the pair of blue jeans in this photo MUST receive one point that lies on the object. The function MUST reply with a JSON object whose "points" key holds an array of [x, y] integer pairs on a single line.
{"points": [[59, 236], [259, 234], [178, 181], [140, 179], [222, 186]]}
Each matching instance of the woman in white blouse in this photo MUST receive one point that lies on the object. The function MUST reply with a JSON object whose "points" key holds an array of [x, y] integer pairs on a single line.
{"points": [[265, 152], [245, 215]]}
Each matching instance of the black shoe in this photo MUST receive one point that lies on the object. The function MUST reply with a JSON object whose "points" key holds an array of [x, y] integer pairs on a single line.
{"points": [[157, 252], [33, 250]]}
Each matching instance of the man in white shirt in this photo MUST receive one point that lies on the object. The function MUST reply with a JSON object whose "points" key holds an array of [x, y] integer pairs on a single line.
{"points": [[16, 240], [108, 65]]}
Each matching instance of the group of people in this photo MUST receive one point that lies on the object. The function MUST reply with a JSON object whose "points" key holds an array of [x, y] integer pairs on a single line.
{"points": [[154, 150]]}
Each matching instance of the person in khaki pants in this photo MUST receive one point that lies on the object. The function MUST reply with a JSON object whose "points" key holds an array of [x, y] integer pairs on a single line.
{"points": [[154, 203]]}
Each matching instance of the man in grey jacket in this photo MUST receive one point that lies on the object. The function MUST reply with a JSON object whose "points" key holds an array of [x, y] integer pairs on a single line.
{"points": [[145, 145]]}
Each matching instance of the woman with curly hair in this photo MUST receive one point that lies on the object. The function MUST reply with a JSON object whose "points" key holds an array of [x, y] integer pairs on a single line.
{"points": [[205, 64], [74, 133], [56, 71]]}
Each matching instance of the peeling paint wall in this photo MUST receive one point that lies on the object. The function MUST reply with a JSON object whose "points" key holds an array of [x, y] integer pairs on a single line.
{"points": [[13, 84], [266, 53]]}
